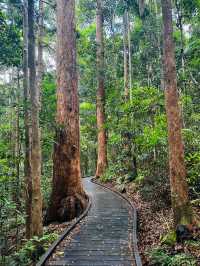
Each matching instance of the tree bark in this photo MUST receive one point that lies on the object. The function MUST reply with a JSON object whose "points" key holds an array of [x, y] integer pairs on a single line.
{"points": [[141, 7], [126, 54], [102, 140], [27, 167], [129, 163], [179, 188], [40, 45], [36, 221], [17, 155], [129, 56], [68, 198]]}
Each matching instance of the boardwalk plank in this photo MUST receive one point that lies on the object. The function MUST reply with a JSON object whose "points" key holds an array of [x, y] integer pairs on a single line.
{"points": [[104, 238]]}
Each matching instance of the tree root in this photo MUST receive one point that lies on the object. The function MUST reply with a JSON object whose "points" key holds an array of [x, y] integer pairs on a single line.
{"points": [[66, 208]]}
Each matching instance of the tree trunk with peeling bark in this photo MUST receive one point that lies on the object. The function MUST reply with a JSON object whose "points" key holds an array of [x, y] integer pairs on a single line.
{"points": [[102, 139], [35, 152], [179, 188], [68, 198]]}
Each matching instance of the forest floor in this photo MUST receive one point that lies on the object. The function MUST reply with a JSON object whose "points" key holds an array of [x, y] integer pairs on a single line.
{"points": [[58, 228], [59, 251], [153, 225]]}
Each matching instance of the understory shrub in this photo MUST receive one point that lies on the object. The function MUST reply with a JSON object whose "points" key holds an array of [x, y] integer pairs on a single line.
{"points": [[160, 257], [193, 168], [32, 250]]}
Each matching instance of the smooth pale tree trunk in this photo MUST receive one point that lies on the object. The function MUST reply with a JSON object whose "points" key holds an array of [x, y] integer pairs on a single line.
{"points": [[126, 54], [129, 56], [27, 167], [35, 156], [17, 141], [40, 69], [141, 7], [129, 163], [179, 188], [102, 139], [68, 198], [159, 45]]}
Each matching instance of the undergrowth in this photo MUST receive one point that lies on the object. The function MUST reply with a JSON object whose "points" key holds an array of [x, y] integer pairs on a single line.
{"points": [[160, 257], [30, 252]]}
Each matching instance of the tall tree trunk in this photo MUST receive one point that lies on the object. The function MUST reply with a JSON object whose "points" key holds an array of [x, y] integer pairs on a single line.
{"points": [[179, 188], [40, 61], [68, 198], [129, 56], [102, 145], [27, 167], [130, 167], [126, 54], [159, 41], [17, 155], [40, 45], [141, 7], [36, 221]]}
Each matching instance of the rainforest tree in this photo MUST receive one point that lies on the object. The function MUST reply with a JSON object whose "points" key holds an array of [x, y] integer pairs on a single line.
{"points": [[100, 101], [68, 198], [179, 188], [35, 150]]}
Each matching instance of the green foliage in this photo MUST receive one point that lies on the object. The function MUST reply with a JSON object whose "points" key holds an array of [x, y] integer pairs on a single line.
{"points": [[145, 119], [47, 122], [193, 162], [155, 135], [31, 251], [88, 132], [193, 167], [169, 239], [11, 204], [160, 257], [193, 243], [140, 177], [87, 62], [47, 115], [10, 41], [109, 174]]}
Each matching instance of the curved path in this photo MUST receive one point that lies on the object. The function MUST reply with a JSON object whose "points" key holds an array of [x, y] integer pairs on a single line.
{"points": [[105, 237]]}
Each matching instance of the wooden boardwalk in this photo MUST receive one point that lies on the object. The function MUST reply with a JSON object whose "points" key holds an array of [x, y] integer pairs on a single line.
{"points": [[106, 236]]}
